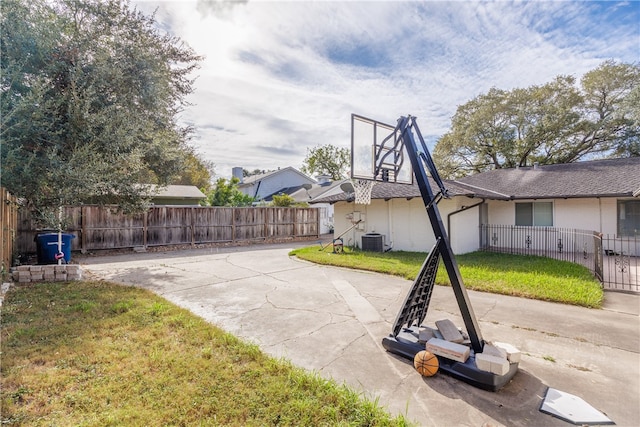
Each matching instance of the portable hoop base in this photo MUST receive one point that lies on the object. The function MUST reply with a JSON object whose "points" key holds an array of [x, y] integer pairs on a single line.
{"points": [[386, 158], [406, 345]]}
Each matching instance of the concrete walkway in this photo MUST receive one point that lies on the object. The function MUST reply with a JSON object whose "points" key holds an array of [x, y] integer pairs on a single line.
{"points": [[332, 320]]}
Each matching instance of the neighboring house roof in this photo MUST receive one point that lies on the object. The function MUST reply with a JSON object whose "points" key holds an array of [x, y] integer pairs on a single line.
{"points": [[266, 184], [594, 178], [178, 192], [253, 179], [302, 194]]}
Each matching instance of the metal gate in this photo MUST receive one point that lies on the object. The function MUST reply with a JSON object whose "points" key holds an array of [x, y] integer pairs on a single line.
{"points": [[621, 263]]}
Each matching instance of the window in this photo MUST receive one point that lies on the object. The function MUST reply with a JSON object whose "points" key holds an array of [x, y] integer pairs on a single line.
{"points": [[628, 217], [539, 214]]}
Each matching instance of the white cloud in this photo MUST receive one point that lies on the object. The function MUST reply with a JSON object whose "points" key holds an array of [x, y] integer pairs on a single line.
{"points": [[281, 77]]}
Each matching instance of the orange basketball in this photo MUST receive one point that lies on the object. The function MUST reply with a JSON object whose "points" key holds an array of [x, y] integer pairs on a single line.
{"points": [[426, 363]]}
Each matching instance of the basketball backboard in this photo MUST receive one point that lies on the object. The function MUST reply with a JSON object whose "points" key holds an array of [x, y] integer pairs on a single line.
{"points": [[376, 153]]}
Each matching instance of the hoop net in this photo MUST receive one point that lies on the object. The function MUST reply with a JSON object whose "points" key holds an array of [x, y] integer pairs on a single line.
{"points": [[363, 189]]}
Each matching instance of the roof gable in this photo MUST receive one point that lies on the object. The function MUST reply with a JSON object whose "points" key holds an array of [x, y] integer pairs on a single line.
{"points": [[302, 194], [253, 179]]}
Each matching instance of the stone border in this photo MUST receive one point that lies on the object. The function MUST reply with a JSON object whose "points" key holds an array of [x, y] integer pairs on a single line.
{"points": [[47, 273]]}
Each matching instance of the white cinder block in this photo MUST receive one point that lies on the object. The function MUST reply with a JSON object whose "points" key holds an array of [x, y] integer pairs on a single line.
{"points": [[493, 364], [449, 331], [513, 354], [448, 349], [425, 334], [494, 351], [483, 362]]}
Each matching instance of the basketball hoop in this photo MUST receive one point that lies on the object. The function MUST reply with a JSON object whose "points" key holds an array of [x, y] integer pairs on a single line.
{"points": [[362, 191]]}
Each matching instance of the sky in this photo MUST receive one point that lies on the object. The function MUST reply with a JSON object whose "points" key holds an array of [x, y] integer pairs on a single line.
{"points": [[281, 77]]}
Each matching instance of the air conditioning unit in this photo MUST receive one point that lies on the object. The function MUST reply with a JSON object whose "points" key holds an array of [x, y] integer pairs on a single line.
{"points": [[373, 242]]}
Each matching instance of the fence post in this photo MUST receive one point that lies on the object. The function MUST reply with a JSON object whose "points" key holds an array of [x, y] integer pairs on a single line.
{"points": [[265, 215], [295, 221], [8, 226], [512, 231], [145, 227], [233, 224], [83, 229], [193, 234]]}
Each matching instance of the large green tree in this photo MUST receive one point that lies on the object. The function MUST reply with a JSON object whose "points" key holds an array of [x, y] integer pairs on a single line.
{"points": [[558, 122], [327, 160], [90, 95], [227, 193], [196, 171]]}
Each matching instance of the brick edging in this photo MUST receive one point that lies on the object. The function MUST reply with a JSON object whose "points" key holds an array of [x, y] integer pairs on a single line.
{"points": [[46, 273]]}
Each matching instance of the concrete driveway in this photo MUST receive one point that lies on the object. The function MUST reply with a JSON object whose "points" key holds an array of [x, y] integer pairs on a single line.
{"points": [[332, 321]]}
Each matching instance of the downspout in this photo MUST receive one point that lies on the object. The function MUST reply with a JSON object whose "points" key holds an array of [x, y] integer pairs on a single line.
{"points": [[600, 212], [390, 221], [462, 209]]}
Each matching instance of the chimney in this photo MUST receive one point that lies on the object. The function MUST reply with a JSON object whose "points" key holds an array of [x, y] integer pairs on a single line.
{"points": [[237, 173]]}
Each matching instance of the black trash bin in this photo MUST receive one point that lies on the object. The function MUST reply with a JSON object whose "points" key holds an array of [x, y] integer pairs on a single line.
{"points": [[47, 247]]}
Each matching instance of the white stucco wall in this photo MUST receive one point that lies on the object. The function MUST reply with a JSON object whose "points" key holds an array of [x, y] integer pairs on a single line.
{"points": [[585, 214], [405, 224], [464, 234]]}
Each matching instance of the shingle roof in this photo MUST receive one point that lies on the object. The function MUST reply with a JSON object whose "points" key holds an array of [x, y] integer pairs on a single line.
{"points": [[250, 180], [595, 178], [387, 190], [302, 194], [179, 192]]}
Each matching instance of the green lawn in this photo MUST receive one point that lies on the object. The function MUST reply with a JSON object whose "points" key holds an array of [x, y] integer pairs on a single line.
{"points": [[523, 276], [100, 354]]}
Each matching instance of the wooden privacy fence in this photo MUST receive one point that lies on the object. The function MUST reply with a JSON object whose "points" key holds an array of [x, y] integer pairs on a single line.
{"points": [[9, 224], [102, 227]]}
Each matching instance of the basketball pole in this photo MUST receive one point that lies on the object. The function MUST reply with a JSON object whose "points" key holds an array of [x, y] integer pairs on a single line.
{"points": [[406, 124]]}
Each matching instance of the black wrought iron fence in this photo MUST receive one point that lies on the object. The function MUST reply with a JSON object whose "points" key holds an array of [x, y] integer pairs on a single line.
{"points": [[621, 263], [565, 244], [613, 260]]}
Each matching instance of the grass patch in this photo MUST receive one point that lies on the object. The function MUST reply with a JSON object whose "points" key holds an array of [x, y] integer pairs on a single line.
{"points": [[517, 275], [100, 354]]}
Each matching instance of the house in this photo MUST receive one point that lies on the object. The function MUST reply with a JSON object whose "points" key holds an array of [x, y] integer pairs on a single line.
{"points": [[397, 213], [597, 195], [593, 195], [299, 186], [269, 183], [177, 195], [309, 193]]}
